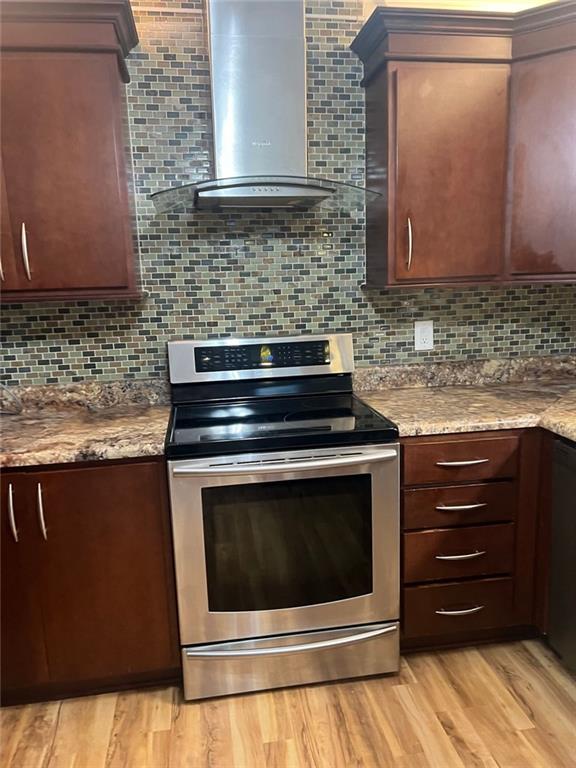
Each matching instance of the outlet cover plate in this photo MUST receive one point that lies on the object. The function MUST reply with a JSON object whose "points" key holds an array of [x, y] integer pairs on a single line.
{"points": [[423, 335]]}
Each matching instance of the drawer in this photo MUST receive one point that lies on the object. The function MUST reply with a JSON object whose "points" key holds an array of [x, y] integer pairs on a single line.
{"points": [[443, 609], [458, 552], [459, 505], [240, 666], [460, 461]]}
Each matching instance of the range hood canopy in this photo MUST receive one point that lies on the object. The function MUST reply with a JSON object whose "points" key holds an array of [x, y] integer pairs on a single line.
{"points": [[252, 192], [258, 81]]}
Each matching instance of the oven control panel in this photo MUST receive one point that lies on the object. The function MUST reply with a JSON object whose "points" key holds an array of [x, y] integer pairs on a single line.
{"points": [[242, 357]]}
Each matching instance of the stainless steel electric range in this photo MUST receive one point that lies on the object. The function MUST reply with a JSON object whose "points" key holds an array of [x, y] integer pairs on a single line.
{"points": [[285, 507]]}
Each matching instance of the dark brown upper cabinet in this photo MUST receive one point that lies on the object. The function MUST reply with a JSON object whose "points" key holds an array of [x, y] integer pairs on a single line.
{"points": [[446, 165], [66, 212], [542, 182], [469, 119]]}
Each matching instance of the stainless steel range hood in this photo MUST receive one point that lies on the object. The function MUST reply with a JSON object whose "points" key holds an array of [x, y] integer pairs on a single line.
{"points": [[258, 79]]}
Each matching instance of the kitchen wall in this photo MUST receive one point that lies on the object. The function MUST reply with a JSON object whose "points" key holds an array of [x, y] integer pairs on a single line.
{"points": [[209, 275]]}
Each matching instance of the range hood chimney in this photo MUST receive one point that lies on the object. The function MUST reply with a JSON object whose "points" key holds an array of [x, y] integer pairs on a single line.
{"points": [[258, 79]]}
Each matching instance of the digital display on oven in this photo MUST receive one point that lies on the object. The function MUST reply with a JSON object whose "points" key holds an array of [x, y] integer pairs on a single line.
{"points": [[242, 357]]}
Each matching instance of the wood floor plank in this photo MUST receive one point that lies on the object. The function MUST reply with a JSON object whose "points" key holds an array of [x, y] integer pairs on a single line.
{"points": [[391, 722], [201, 735], [274, 716], [508, 705], [305, 736], [83, 732], [477, 685], [322, 713], [548, 706], [367, 729], [282, 754], [247, 742], [27, 734], [436, 744], [473, 752], [546, 657], [435, 684], [137, 715], [13, 721], [509, 747]]}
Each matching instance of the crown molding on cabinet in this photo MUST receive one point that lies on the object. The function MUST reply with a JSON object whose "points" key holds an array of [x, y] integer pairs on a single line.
{"points": [[70, 25], [455, 35]]}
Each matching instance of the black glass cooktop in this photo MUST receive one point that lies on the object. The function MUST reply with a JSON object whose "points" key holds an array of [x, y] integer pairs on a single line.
{"points": [[246, 426]]}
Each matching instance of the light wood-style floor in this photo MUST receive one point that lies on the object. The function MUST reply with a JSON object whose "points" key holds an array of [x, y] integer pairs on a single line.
{"points": [[508, 705]]}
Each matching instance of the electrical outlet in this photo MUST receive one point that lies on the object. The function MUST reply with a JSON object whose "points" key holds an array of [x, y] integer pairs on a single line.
{"points": [[423, 334]]}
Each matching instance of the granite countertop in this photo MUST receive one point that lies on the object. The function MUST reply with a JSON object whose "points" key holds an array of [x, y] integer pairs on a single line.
{"points": [[63, 437], [443, 410], [135, 430]]}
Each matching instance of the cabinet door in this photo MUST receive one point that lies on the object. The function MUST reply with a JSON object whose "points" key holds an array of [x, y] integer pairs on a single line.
{"points": [[62, 149], [448, 158], [7, 253], [24, 663], [107, 584], [543, 166]]}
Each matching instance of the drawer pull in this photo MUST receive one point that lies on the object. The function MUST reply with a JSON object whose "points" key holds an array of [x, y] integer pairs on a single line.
{"points": [[467, 463], [468, 556], [465, 612], [460, 507], [215, 652]]}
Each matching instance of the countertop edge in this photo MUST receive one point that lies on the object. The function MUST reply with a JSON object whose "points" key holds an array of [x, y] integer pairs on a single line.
{"points": [[124, 445]]}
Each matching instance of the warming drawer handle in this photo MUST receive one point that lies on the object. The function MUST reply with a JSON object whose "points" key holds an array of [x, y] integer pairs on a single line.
{"points": [[286, 466], [460, 507], [467, 463], [467, 556], [286, 649], [465, 612]]}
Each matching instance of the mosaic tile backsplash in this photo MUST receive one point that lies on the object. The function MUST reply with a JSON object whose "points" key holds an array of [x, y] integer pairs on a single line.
{"points": [[208, 275]]}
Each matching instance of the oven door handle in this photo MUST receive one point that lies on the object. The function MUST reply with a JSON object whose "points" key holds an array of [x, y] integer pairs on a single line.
{"points": [[204, 653], [258, 468]]}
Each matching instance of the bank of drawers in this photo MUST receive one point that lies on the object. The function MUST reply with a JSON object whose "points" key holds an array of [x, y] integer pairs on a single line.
{"points": [[459, 512]]}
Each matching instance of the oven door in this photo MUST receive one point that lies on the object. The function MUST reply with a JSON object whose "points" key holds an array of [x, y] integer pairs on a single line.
{"points": [[277, 543]]}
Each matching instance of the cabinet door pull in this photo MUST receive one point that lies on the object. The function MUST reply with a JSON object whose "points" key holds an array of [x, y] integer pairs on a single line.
{"points": [[468, 463], [1, 269], [460, 507], [465, 612], [25, 259], [41, 511], [410, 244], [467, 556], [11, 516]]}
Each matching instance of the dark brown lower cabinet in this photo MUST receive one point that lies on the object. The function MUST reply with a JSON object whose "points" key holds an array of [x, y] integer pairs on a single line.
{"points": [[471, 509], [24, 660], [88, 599]]}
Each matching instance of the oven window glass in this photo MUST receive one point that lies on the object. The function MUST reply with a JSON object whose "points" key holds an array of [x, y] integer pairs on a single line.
{"points": [[288, 544]]}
